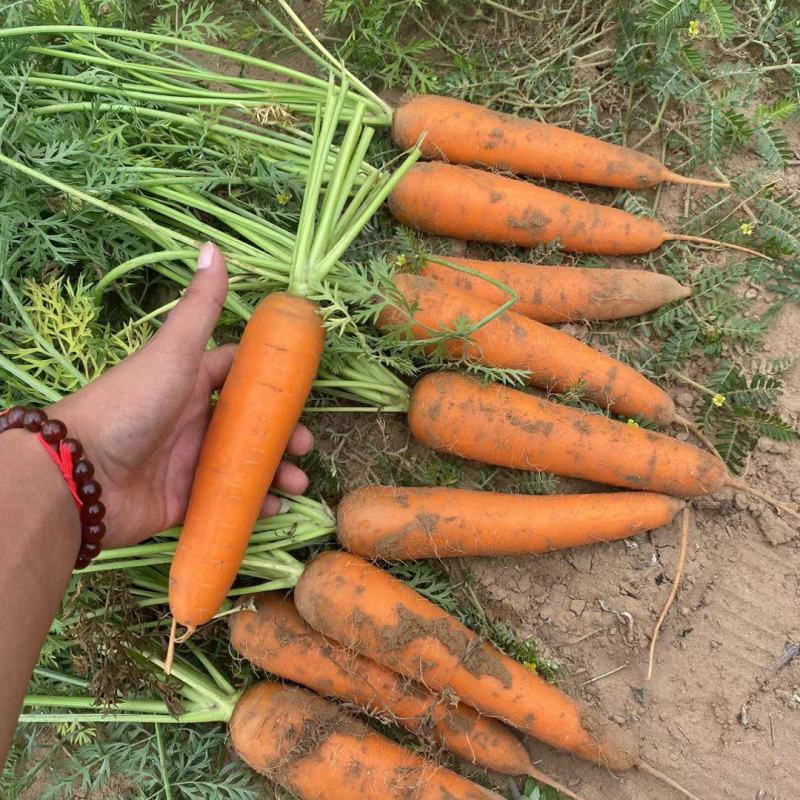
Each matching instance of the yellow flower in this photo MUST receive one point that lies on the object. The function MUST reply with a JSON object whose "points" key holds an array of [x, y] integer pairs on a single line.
{"points": [[283, 198], [718, 400], [694, 27], [400, 261], [633, 423], [746, 228]]}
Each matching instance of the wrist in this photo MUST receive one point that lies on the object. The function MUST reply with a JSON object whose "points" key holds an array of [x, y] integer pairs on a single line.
{"points": [[38, 503], [77, 473]]}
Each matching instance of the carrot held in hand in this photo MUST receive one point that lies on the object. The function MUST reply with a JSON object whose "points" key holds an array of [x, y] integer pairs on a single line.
{"points": [[561, 294], [400, 524], [466, 203], [498, 425], [269, 381], [464, 133], [554, 360], [314, 749], [277, 639], [258, 409]]}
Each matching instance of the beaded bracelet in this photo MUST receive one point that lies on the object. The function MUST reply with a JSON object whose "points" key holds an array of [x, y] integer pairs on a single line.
{"points": [[77, 470]]}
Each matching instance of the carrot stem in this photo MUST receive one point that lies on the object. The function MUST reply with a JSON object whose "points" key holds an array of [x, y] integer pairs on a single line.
{"points": [[673, 594]]}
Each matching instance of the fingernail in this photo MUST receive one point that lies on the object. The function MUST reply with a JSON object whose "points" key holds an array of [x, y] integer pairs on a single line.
{"points": [[206, 257]]}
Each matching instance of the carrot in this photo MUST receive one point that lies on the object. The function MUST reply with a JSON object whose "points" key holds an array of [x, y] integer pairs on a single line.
{"points": [[467, 203], [258, 409], [562, 293], [270, 379], [397, 524], [553, 359], [277, 639], [311, 747], [463, 133], [365, 608], [498, 425]]}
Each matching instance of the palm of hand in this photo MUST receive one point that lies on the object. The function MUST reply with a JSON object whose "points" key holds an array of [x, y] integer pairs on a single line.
{"points": [[148, 418], [142, 423]]}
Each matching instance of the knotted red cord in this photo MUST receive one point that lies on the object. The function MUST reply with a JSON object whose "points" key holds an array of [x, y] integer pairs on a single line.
{"points": [[62, 458]]}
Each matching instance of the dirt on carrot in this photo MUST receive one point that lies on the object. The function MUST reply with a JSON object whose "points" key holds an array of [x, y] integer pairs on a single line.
{"points": [[477, 660]]}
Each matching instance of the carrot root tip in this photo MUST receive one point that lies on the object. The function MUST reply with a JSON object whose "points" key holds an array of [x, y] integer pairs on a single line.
{"points": [[673, 594], [674, 177], [683, 237], [173, 640], [741, 486], [656, 773], [542, 777], [695, 429], [171, 648], [190, 631]]}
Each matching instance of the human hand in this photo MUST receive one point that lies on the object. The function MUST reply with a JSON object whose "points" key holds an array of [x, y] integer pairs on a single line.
{"points": [[142, 423]]}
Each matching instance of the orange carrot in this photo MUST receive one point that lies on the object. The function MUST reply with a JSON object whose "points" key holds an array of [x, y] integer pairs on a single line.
{"points": [[467, 203], [561, 293], [271, 376], [312, 748], [463, 133], [365, 608], [498, 425], [398, 524], [258, 409], [553, 359], [277, 639]]}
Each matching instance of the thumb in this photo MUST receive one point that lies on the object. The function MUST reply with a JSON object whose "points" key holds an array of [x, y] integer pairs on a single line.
{"points": [[190, 324]]}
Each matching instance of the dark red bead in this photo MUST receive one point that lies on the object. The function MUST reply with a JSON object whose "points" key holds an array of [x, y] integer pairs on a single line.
{"points": [[93, 533], [82, 563], [15, 417], [3, 423], [89, 549], [34, 419], [75, 448], [89, 492], [53, 431], [92, 513], [82, 471]]}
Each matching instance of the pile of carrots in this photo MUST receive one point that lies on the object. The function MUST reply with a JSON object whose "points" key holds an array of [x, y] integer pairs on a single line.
{"points": [[352, 632]]}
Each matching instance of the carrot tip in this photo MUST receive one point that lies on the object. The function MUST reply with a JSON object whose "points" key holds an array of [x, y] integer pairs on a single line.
{"points": [[548, 781], [171, 648], [696, 430], [673, 594], [741, 486], [650, 769], [173, 640], [683, 237], [674, 177]]}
